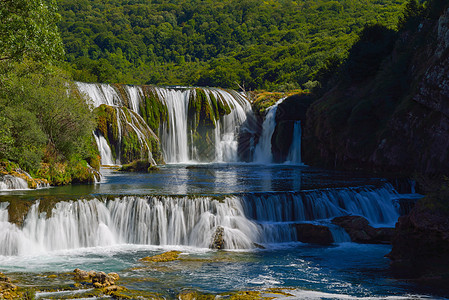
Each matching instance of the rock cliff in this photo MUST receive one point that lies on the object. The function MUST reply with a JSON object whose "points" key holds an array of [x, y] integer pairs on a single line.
{"points": [[392, 116]]}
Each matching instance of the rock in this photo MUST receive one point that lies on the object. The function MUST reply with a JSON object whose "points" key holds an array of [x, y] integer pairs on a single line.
{"points": [[82, 275], [421, 243], [7, 288], [98, 279], [313, 234], [112, 289], [114, 276], [218, 240], [142, 166], [384, 122], [101, 279], [360, 231], [164, 257]]}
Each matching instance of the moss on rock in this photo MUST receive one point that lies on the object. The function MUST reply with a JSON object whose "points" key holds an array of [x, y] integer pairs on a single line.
{"points": [[164, 257], [138, 166]]}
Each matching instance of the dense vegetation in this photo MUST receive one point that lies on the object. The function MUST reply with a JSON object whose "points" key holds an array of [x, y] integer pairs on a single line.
{"points": [[45, 125], [270, 44]]}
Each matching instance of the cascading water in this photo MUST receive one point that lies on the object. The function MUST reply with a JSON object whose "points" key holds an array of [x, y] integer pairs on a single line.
{"points": [[180, 143], [105, 151], [191, 221], [134, 94], [294, 155], [9, 182], [100, 93], [262, 152], [174, 135]]}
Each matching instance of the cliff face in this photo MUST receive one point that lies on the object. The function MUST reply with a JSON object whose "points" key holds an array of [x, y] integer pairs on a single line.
{"points": [[421, 245], [392, 116]]}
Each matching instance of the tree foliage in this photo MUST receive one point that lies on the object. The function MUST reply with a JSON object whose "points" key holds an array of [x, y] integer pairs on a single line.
{"points": [[43, 120], [28, 29], [257, 44], [41, 114]]}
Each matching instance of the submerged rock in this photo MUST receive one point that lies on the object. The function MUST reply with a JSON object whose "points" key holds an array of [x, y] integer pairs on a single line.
{"points": [[313, 234], [164, 257], [360, 231]]}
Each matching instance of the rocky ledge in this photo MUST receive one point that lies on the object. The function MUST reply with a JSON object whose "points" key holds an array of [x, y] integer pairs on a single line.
{"points": [[361, 232], [421, 243]]}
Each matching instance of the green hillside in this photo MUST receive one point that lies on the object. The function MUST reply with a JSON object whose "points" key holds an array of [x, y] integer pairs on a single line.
{"points": [[257, 44]]}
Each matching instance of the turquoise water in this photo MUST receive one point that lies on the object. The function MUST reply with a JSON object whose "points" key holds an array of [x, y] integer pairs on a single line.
{"points": [[338, 271]]}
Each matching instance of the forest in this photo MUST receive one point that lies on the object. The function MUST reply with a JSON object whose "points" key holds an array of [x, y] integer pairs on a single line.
{"points": [[273, 45], [45, 45]]}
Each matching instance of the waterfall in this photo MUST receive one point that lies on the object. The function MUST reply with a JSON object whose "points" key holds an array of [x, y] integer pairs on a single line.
{"points": [[128, 220], [100, 93], [180, 143], [375, 204], [9, 182], [174, 136], [105, 150], [262, 152], [226, 133], [294, 155], [134, 94], [188, 220]]}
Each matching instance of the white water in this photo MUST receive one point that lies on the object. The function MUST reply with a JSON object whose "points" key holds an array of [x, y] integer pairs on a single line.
{"points": [[262, 152], [100, 93], [187, 221], [226, 133], [294, 155], [134, 94], [174, 135], [105, 151], [9, 182], [375, 204], [128, 220]]}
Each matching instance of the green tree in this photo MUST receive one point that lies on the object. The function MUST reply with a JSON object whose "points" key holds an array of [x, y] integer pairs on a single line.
{"points": [[28, 29]]}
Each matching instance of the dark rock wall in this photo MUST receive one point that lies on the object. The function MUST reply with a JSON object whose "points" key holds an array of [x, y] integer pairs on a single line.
{"points": [[395, 120]]}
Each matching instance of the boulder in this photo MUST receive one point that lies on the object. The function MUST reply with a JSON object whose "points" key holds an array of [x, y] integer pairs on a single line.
{"points": [[218, 240], [98, 279], [360, 231], [81, 275], [313, 234], [101, 280], [421, 243]]}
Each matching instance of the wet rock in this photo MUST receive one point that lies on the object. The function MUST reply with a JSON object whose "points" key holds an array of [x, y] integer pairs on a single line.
{"points": [[7, 288], [112, 289], [101, 280], [360, 231], [98, 279], [218, 239], [313, 234], [81, 275], [164, 257], [141, 166]]}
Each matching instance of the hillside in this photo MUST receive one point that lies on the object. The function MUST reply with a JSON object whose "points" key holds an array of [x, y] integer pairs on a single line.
{"points": [[257, 44]]}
